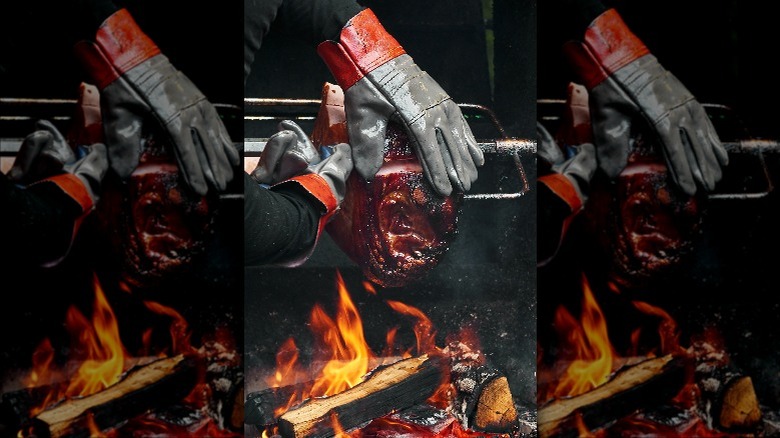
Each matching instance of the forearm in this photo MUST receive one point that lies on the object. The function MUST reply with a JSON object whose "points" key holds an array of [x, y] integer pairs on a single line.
{"points": [[37, 222], [278, 225]]}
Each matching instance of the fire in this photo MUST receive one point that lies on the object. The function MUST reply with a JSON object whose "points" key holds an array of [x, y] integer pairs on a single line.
{"points": [[667, 329], [593, 353], [347, 355], [96, 345], [344, 339], [338, 431], [179, 329], [423, 328]]}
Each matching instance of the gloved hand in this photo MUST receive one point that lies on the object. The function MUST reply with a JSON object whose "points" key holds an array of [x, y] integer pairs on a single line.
{"points": [[625, 81], [290, 158], [380, 82], [42, 154], [286, 154], [578, 166], [91, 169], [137, 81]]}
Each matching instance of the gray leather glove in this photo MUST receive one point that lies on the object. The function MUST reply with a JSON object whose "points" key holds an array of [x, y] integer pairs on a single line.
{"points": [[286, 154], [91, 169], [335, 169], [136, 82], [578, 168], [42, 154], [689, 143], [626, 83], [381, 82]]}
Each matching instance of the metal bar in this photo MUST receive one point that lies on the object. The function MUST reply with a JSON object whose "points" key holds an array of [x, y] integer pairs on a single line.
{"points": [[254, 146]]}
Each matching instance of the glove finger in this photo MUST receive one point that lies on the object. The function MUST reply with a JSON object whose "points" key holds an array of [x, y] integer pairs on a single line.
{"points": [[464, 132], [336, 169], [465, 171], [189, 157], [58, 149], [367, 132], [265, 170], [208, 158], [304, 146], [426, 145], [122, 130], [677, 158], [27, 155], [467, 147], [611, 132], [704, 149], [215, 148]]}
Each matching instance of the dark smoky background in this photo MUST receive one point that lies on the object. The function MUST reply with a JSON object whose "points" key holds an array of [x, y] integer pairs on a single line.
{"points": [[480, 52], [722, 51]]}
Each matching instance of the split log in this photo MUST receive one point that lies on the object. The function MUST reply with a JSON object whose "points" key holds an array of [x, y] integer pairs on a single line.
{"points": [[157, 384], [648, 383], [728, 398], [739, 406], [483, 400], [386, 389]]}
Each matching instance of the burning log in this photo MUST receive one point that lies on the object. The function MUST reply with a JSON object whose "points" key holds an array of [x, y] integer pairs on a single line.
{"points": [[157, 384], [260, 407], [391, 388], [648, 383]]}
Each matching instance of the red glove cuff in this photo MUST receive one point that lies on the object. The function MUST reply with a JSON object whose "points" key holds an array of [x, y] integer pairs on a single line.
{"points": [[119, 46], [563, 188], [363, 45], [317, 187], [608, 46], [73, 187]]}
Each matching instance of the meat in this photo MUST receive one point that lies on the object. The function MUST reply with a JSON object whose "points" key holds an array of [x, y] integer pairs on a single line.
{"points": [[644, 223], [395, 227], [156, 226]]}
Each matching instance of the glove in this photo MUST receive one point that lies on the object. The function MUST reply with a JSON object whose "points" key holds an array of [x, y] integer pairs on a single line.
{"points": [[326, 182], [381, 81], [136, 80], [286, 154], [578, 168], [91, 169], [624, 80], [42, 154]]}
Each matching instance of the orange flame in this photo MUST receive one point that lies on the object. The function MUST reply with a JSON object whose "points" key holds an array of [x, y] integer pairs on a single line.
{"points": [[594, 354], [423, 328], [96, 345], [179, 329], [105, 354], [667, 328], [344, 338], [338, 431]]}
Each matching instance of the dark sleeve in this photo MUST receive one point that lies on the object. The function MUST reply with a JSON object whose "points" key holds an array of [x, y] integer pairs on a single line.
{"points": [[568, 19], [553, 215], [92, 13], [278, 225], [315, 21], [37, 222]]}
